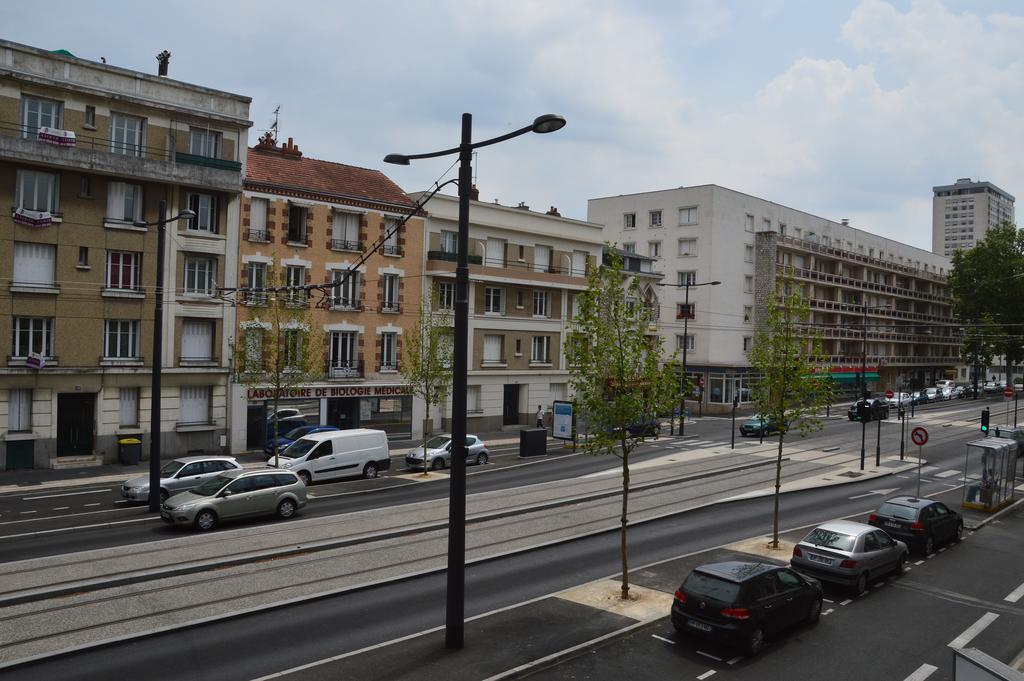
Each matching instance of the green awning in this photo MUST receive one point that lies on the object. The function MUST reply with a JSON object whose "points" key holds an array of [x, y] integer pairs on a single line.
{"points": [[851, 377]]}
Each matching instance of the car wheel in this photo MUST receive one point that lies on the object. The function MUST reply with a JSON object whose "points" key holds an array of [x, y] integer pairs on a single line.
{"points": [[205, 521], [959, 534], [862, 583], [437, 464], [370, 470], [755, 642], [286, 509], [306, 478], [163, 495], [481, 458], [900, 563], [815, 614], [929, 545]]}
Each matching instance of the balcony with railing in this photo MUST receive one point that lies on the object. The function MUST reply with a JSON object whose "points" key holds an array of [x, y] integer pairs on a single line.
{"points": [[849, 282], [390, 366], [345, 245], [345, 368], [390, 307], [839, 253], [346, 304], [447, 256], [259, 236]]}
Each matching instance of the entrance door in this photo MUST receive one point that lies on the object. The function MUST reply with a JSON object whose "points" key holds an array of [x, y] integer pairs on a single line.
{"points": [[256, 426], [76, 421], [510, 405]]}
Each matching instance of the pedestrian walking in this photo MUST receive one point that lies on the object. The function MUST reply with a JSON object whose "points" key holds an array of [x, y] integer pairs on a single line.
{"points": [[540, 415]]}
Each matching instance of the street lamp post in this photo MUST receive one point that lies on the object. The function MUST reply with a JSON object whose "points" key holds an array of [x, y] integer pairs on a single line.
{"points": [[686, 285], [456, 572], [158, 349], [862, 386]]}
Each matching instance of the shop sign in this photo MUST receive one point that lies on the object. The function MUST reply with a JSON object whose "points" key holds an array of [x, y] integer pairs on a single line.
{"points": [[313, 392]]}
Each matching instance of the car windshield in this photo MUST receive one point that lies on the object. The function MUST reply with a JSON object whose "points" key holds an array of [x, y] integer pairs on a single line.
{"points": [[210, 486], [170, 468], [897, 511], [703, 584], [438, 442], [830, 539], [296, 433], [299, 448]]}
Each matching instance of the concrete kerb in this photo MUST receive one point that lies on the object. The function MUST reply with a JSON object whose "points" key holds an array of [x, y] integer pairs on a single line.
{"points": [[996, 515]]}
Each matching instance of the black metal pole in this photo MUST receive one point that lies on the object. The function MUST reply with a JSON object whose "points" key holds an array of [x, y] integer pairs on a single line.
{"points": [[1014, 408], [903, 429], [878, 445], [456, 594], [686, 343], [732, 443], [156, 359], [863, 429], [862, 382]]}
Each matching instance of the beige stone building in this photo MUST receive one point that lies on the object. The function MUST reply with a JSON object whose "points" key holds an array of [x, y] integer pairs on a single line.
{"points": [[963, 212], [87, 151], [309, 221]]}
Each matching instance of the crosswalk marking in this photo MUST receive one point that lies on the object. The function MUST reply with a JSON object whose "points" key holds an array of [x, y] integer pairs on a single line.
{"points": [[973, 630], [946, 474], [921, 673]]}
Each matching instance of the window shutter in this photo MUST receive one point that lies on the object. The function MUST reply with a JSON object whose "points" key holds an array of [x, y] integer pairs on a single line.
{"points": [[196, 340], [33, 264]]}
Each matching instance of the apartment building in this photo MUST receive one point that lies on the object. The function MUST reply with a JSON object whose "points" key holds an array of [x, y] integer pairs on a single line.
{"points": [[526, 268], [87, 152], [963, 212], [709, 233], [310, 221]]}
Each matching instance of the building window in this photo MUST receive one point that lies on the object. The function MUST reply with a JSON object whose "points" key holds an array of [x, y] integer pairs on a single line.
{"points": [[688, 216], [539, 353], [473, 399], [297, 224], [200, 275], [541, 258], [344, 353], [253, 349], [389, 285], [256, 280], [492, 348], [748, 223], [688, 278], [766, 224], [128, 399], [494, 300], [257, 220], [90, 117], [541, 303], [748, 314], [495, 253], [19, 410], [121, 339], [126, 134], [748, 342], [392, 229], [83, 256], [295, 280], [579, 263], [685, 311], [655, 218], [124, 202], [37, 191], [195, 405], [654, 249], [32, 334], [748, 284], [197, 339], [629, 221], [205, 208], [748, 253], [85, 187], [34, 264], [204, 142], [687, 247], [123, 270], [294, 349], [346, 289], [40, 113], [388, 351], [446, 295], [684, 342], [345, 231], [629, 247], [449, 242]]}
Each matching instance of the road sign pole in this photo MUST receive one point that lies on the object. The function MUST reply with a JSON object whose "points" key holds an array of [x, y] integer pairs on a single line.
{"points": [[903, 429], [863, 429], [878, 445], [1015, 409], [919, 447]]}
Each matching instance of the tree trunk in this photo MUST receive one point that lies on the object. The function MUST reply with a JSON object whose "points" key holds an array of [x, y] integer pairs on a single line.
{"points": [[623, 520], [425, 469], [778, 484]]}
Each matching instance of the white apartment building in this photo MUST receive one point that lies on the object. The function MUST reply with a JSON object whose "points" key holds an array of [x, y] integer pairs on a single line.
{"points": [[963, 212], [709, 233], [525, 269]]}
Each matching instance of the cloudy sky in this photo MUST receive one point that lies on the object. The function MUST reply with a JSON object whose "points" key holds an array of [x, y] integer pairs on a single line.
{"points": [[843, 108]]}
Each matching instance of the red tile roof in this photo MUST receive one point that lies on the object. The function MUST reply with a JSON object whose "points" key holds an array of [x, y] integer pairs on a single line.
{"points": [[313, 176]]}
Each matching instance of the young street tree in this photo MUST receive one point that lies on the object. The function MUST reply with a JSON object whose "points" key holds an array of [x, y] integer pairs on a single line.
{"points": [[279, 348], [982, 340], [792, 388], [427, 361], [619, 386]]}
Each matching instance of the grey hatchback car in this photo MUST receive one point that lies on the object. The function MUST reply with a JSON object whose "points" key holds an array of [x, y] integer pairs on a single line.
{"points": [[848, 553], [179, 475], [236, 494]]}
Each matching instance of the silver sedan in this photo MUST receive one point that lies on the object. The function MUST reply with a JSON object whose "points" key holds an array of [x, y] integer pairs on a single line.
{"points": [[848, 553], [179, 475], [438, 452]]}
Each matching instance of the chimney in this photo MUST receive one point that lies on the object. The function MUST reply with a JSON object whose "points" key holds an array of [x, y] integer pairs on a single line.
{"points": [[522, 206], [554, 211], [474, 193], [845, 222], [289, 148], [164, 58]]}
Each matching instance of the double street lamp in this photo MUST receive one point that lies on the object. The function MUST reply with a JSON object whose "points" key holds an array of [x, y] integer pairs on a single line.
{"points": [[158, 350], [687, 285], [455, 607], [862, 387]]}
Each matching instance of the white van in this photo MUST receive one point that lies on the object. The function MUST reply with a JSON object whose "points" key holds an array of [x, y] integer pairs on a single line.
{"points": [[337, 454]]}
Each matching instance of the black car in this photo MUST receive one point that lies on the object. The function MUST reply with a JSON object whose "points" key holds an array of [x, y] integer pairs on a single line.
{"points": [[919, 523], [878, 408], [741, 603]]}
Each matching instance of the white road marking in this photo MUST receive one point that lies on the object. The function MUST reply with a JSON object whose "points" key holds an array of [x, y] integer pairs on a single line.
{"points": [[734, 660], [1015, 595], [25, 512], [60, 508], [929, 469], [716, 659], [905, 477], [847, 601], [828, 600], [66, 494], [973, 630], [946, 474], [708, 674], [918, 562], [662, 638], [879, 585], [96, 504], [922, 673], [828, 612], [942, 549]]}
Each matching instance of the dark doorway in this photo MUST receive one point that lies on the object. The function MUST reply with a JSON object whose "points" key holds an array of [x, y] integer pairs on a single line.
{"points": [[343, 412], [76, 421], [510, 406], [256, 426]]}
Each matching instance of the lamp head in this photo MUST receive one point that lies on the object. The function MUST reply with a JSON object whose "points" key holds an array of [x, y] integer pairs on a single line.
{"points": [[715, 283], [548, 123], [397, 159], [186, 214]]}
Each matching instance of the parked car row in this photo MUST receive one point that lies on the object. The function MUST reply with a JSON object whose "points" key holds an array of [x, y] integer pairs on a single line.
{"points": [[743, 603]]}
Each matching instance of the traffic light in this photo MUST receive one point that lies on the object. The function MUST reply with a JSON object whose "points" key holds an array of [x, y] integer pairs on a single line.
{"points": [[984, 420]]}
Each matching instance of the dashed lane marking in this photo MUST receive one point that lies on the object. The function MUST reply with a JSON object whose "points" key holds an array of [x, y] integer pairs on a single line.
{"points": [[706, 675], [918, 562], [662, 638], [946, 474], [25, 512], [734, 660], [709, 655], [60, 508], [829, 611], [847, 601], [973, 630], [66, 494], [96, 504], [1015, 595], [921, 673]]}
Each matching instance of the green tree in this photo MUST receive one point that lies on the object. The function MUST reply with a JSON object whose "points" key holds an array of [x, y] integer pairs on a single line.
{"points": [[982, 340], [279, 348], [793, 386], [427, 360], [616, 373]]}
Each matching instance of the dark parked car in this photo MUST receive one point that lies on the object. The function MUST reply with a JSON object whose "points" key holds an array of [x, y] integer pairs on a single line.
{"points": [[741, 603], [878, 408], [758, 425], [919, 523]]}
